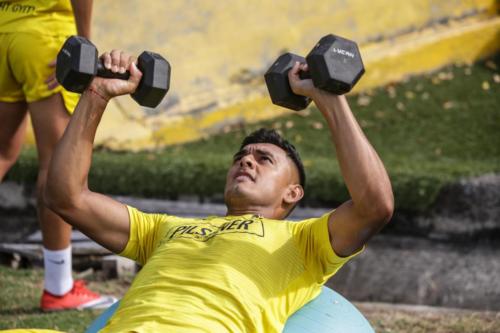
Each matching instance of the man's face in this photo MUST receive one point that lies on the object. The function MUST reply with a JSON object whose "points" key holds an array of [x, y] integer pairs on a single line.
{"points": [[260, 175]]}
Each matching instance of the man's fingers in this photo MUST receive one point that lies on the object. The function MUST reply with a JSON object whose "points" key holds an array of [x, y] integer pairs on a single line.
{"points": [[51, 81], [53, 84], [131, 60], [135, 73], [106, 60], [293, 73], [116, 56], [51, 77], [117, 61], [298, 67], [300, 86], [125, 61], [52, 63]]}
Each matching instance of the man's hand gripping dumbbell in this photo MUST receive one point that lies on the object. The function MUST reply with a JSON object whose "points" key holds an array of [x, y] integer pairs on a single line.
{"points": [[334, 65], [78, 64]]}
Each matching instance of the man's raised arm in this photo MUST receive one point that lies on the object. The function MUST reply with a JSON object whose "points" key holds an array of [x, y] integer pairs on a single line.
{"points": [[371, 206], [101, 218]]}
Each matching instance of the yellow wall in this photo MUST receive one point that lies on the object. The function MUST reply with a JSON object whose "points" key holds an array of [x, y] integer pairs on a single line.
{"points": [[219, 51]]}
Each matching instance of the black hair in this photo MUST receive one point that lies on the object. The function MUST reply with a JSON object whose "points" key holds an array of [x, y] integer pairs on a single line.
{"points": [[264, 135]]}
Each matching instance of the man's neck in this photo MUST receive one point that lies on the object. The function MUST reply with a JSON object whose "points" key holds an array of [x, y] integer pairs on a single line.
{"points": [[267, 212]]}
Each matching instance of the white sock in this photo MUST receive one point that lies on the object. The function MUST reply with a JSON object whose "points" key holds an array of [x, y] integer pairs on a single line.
{"points": [[58, 278]]}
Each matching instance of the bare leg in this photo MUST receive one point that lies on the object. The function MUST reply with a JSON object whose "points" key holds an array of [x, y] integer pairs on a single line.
{"points": [[49, 118], [13, 117]]}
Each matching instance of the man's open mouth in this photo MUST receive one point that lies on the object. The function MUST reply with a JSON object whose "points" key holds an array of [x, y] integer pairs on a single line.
{"points": [[242, 175]]}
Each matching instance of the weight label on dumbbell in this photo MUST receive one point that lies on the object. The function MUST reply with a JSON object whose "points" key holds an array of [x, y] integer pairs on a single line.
{"points": [[66, 52], [343, 52]]}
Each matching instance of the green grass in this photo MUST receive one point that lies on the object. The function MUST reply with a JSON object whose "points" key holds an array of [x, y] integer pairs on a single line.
{"points": [[20, 293], [430, 131], [394, 320]]}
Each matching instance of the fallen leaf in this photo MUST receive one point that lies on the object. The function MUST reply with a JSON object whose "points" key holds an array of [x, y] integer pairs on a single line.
{"points": [[391, 91], [379, 114], [449, 105], [289, 124], [468, 71], [445, 76], [491, 65], [425, 96], [303, 113], [400, 106], [410, 94], [485, 85], [496, 78], [419, 87], [364, 100], [277, 125], [317, 125]]}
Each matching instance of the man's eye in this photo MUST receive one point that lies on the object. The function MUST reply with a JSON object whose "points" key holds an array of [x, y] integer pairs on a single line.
{"points": [[265, 158]]}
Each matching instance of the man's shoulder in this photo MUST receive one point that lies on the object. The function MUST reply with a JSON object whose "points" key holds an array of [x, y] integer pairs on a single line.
{"points": [[298, 226], [137, 214], [313, 219]]}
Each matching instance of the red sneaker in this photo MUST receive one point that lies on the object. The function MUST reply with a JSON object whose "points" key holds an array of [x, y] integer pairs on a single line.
{"points": [[78, 298]]}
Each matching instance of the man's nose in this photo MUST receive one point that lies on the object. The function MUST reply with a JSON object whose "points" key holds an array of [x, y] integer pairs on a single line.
{"points": [[247, 161]]}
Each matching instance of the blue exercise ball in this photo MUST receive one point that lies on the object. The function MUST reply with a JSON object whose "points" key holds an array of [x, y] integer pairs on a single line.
{"points": [[327, 313]]}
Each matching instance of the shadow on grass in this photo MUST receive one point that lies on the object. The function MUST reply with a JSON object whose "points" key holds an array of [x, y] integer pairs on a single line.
{"points": [[22, 311]]}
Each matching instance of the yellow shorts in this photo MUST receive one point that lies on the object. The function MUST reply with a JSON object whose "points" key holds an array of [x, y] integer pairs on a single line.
{"points": [[24, 67]]}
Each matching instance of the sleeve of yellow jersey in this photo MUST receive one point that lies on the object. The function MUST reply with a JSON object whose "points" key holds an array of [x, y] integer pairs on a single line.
{"points": [[313, 241], [146, 230]]}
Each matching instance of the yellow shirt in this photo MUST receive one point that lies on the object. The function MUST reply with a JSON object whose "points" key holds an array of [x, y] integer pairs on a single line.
{"points": [[222, 274], [46, 17]]}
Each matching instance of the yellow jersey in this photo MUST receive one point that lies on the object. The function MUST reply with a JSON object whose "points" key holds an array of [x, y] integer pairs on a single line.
{"points": [[222, 274], [46, 17]]}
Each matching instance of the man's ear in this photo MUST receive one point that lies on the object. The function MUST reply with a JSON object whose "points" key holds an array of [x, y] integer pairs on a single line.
{"points": [[293, 194]]}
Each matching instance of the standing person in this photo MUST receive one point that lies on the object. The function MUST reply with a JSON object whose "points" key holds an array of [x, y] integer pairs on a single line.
{"points": [[247, 271], [31, 34]]}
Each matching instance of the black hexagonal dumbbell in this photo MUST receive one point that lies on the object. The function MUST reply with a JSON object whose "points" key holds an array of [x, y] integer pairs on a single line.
{"points": [[335, 65], [77, 64]]}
